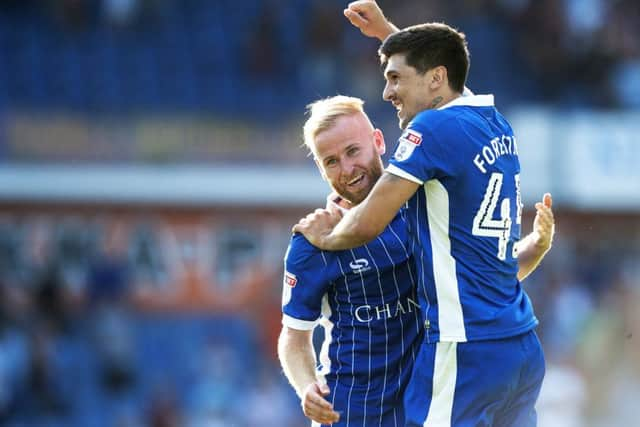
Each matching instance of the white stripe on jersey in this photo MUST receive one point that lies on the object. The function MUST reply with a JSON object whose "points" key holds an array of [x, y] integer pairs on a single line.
{"points": [[386, 331], [339, 340], [366, 302], [327, 324], [326, 308], [422, 258], [328, 333], [413, 281], [353, 340], [450, 317], [445, 371], [416, 312]]}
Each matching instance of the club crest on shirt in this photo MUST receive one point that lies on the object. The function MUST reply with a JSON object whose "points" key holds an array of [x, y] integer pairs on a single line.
{"points": [[409, 140], [290, 279], [360, 265]]}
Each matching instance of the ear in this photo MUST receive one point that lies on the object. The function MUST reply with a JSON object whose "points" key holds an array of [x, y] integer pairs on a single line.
{"points": [[378, 140], [320, 168], [439, 77]]}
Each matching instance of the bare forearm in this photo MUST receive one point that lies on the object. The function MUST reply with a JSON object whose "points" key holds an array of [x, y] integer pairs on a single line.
{"points": [[529, 255], [367, 220], [390, 28], [351, 232], [363, 222], [297, 359]]}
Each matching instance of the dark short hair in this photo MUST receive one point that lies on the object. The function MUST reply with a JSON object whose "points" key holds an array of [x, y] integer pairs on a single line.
{"points": [[430, 45]]}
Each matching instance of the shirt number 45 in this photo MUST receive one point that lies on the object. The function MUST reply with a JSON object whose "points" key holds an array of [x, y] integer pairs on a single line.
{"points": [[484, 223]]}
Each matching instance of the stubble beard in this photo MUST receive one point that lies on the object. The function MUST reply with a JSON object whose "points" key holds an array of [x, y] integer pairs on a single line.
{"points": [[373, 173]]}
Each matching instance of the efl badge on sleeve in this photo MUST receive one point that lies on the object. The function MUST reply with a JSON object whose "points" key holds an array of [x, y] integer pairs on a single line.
{"points": [[409, 140], [290, 279], [289, 282]]}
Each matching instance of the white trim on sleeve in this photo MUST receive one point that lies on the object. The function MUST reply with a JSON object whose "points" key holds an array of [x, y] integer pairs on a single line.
{"points": [[301, 325], [393, 169]]}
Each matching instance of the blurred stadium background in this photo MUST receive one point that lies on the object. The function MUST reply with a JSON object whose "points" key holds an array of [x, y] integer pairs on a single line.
{"points": [[151, 168]]}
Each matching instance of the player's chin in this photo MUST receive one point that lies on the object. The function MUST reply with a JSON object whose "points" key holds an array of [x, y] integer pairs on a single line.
{"points": [[357, 198]]}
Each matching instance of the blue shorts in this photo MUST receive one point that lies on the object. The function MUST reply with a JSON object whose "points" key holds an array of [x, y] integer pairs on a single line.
{"points": [[483, 383]]}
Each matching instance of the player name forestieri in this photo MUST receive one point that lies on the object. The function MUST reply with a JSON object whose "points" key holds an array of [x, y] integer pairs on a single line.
{"points": [[497, 147]]}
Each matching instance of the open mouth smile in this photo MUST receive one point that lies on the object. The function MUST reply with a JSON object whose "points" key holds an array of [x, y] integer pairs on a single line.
{"points": [[356, 180]]}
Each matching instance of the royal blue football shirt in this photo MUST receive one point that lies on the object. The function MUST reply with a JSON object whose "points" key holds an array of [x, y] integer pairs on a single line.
{"points": [[465, 220], [366, 300]]}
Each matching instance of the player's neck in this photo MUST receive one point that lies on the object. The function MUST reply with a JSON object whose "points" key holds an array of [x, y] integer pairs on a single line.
{"points": [[444, 98]]}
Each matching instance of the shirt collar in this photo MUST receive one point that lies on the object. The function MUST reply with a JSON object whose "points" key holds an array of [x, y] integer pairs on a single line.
{"points": [[471, 101]]}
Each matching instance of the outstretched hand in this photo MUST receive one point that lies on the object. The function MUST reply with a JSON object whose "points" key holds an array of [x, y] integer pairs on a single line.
{"points": [[367, 16], [544, 223], [317, 225], [316, 407]]}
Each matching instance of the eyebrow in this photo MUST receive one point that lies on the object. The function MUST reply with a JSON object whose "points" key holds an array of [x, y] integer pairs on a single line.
{"points": [[350, 146], [387, 73], [347, 148]]}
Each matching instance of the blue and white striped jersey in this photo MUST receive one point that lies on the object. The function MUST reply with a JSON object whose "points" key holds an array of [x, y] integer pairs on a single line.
{"points": [[367, 300], [465, 220]]}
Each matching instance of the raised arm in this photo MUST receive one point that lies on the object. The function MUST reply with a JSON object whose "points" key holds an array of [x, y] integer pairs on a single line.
{"points": [[367, 16], [532, 248], [298, 360]]}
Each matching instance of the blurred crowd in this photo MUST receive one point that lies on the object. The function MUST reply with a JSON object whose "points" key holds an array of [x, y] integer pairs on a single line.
{"points": [[586, 296], [572, 53], [78, 348], [271, 57]]}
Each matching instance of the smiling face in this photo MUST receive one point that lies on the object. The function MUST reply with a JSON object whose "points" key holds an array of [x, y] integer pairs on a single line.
{"points": [[348, 156], [409, 91]]}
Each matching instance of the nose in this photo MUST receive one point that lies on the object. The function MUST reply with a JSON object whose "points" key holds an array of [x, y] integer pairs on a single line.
{"points": [[347, 167], [388, 93]]}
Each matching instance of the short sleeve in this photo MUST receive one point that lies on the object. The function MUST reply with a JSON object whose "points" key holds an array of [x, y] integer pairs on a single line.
{"points": [[418, 156], [304, 284]]}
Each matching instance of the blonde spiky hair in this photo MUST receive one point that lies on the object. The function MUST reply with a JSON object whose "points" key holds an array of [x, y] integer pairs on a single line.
{"points": [[324, 113]]}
